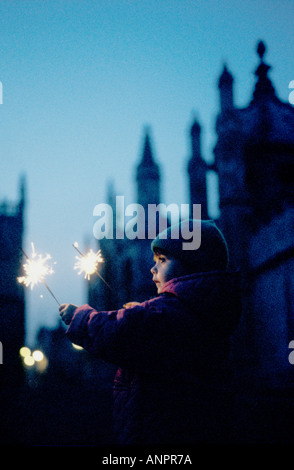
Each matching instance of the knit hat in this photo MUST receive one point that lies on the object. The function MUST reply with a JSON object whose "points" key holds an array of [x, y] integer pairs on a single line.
{"points": [[212, 254]]}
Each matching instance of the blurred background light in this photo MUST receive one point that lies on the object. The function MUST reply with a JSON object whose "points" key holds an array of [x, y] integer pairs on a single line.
{"points": [[25, 351], [29, 361], [38, 356]]}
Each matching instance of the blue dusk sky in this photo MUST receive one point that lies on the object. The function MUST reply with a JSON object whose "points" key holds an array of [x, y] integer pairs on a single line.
{"points": [[81, 80]]}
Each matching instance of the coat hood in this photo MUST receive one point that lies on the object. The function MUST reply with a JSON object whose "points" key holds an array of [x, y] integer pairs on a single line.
{"points": [[215, 297]]}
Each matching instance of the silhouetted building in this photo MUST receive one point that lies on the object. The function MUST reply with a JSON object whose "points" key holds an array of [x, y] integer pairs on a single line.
{"points": [[12, 304], [254, 158]]}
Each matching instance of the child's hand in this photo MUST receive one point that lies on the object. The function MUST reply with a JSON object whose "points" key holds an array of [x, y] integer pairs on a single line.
{"points": [[66, 312], [130, 304]]}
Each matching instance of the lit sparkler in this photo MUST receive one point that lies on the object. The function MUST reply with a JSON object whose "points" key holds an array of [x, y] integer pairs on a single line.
{"points": [[88, 263], [36, 269]]}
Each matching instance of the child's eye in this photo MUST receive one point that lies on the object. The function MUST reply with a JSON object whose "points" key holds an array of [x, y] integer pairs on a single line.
{"points": [[162, 259]]}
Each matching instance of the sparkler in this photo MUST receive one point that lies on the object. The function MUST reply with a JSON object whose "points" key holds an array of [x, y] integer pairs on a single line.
{"points": [[88, 263], [36, 269]]}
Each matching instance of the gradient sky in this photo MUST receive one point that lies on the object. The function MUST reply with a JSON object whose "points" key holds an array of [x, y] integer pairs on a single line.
{"points": [[81, 80]]}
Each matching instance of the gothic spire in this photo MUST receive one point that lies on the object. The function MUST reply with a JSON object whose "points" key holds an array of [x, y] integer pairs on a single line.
{"points": [[110, 191], [225, 85], [147, 156], [22, 192], [226, 78], [263, 86], [195, 133], [148, 175]]}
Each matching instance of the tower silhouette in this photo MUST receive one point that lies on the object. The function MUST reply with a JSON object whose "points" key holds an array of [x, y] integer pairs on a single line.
{"points": [[254, 157], [148, 175], [197, 169], [12, 300]]}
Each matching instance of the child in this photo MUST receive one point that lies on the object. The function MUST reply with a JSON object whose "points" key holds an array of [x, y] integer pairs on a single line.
{"points": [[172, 351]]}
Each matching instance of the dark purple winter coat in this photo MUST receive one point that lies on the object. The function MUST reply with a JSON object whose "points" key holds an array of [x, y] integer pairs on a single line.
{"points": [[172, 384]]}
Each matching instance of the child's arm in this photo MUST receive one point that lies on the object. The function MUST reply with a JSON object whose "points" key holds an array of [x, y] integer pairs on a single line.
{"points": [[125, 337]]}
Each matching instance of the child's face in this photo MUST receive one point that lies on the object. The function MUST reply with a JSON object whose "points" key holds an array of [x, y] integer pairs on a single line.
{"points": [[165, 269]]}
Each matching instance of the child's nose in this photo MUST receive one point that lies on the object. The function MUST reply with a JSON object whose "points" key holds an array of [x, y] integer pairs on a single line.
{"points": [[153, 269]]}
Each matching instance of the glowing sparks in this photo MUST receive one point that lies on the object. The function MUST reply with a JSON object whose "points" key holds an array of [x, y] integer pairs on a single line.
{"points": [[88, 264], [36, 269]]}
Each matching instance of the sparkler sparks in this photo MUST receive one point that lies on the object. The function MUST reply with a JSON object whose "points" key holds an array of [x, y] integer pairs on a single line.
{"points": [[36, 269], [88, 263]]}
